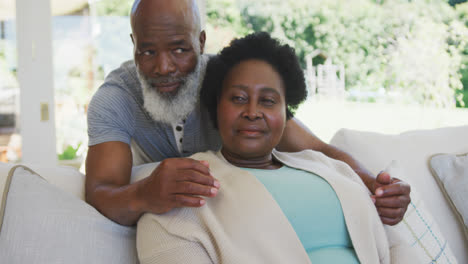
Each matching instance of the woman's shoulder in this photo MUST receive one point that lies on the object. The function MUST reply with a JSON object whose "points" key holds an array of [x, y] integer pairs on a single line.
{"points": [[215, 159], [212, 155], [307, 155], [316, 162]]}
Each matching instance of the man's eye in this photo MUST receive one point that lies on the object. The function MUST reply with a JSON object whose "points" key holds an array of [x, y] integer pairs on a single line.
{"points": [[179, 50], [146, 53]]}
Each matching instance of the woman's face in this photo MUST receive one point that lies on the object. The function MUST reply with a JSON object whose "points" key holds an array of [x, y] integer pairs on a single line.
{"points": [[251, 109]]}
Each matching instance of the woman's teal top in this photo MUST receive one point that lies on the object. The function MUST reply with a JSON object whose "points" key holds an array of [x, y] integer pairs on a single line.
{"points": [[314, 211]]}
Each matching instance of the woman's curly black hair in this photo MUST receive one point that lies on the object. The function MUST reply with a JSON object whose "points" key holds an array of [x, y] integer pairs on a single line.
{"points": [[259, 46]]}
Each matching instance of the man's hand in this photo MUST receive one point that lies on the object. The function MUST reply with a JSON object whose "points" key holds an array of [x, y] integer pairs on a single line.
{"points": [[391, 203], [391, 197], [177, 182]]}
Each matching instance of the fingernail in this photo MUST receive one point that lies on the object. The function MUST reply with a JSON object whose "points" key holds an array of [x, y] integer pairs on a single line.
{"points": [[373, 199], [379, 192], [202, 202], [216, 184], [214, 191]]}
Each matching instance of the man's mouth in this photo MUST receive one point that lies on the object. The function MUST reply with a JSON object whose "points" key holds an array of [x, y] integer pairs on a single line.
{"points": [[166, 87]]}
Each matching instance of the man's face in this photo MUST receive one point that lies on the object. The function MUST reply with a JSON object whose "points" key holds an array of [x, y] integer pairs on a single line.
{"points": [[166, 47]]}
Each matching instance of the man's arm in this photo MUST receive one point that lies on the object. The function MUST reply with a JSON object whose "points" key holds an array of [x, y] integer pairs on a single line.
{"points": [[298, 137], [175, 182], [391, 195]]}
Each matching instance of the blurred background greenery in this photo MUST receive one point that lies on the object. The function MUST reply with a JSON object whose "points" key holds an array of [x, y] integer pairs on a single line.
{"points": [[398, 56], [414, 49]]}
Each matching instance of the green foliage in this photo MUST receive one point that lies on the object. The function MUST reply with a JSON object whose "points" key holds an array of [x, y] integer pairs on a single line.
{"points": [[224, 13], [456, 2], [113, 7], [464, 98], [413, 49], [409, 48], [69, 153], [223, 23], [462, 11]]}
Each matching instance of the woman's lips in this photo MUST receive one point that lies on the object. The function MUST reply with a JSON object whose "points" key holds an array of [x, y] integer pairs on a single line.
{"points": [[166, 87], [250, 132]]}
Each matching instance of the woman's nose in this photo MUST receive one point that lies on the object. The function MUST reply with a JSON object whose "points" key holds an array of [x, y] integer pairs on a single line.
{"points": [[252, 112]]}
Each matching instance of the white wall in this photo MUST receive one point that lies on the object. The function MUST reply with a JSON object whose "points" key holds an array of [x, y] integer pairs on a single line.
{"points": [[35, 77], [202, 9]]}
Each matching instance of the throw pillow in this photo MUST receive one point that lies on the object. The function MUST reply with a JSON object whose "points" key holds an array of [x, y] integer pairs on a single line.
{"points": [[451, 173], [4, 184], [43, 224], [420, 230], [412, 149]]}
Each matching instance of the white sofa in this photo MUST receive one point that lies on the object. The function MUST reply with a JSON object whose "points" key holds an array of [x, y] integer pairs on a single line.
{"points": [[45, 219]]}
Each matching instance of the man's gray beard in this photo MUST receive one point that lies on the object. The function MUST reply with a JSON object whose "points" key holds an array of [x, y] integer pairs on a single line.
{"points": [[171, 108]]}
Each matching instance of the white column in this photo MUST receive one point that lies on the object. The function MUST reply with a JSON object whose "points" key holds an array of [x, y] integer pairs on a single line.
{"points": [[35, 77]]}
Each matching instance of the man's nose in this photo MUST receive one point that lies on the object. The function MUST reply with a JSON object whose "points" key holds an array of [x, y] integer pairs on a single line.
{"points": [[163, 65]]}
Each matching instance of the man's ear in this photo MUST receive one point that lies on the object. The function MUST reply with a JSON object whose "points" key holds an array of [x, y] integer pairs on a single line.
{"points": [[202, 39]]}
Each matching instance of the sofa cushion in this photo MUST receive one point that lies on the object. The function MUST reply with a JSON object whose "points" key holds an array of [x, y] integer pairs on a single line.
{"points": [[44, 224], [67, 178], [412, 149], [420, 230], [451, 173]]}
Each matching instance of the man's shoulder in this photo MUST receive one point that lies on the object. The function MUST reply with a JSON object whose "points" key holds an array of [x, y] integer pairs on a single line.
{"points": [[124, 75]]}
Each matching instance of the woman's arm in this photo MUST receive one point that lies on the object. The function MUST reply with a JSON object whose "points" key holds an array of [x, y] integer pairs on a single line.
{"points": [[185, 253], [156, 245]]}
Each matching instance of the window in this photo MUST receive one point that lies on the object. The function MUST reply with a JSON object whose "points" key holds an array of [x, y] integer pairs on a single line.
{"points": [[10, 141], [88, 43]]}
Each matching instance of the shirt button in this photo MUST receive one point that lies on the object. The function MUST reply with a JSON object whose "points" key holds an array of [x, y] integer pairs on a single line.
{"points": [[178, 128], [180, 140]]}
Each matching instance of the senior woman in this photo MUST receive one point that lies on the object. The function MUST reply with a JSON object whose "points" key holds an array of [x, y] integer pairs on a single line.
{"points": [[272, 207]]}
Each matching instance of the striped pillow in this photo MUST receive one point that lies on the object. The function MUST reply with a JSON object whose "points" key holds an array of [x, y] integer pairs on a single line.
{"points": [[419, 228], [423, 234]]}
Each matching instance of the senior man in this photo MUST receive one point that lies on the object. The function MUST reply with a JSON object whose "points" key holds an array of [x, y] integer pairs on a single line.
{"points": [[148, 110]]}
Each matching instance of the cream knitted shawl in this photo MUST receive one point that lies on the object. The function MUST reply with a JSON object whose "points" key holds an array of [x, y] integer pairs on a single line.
{"points": [[244, 224]]}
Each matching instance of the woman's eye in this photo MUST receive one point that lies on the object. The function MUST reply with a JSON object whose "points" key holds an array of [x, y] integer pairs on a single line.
{"points": [[238, 99], [268, 101]]}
